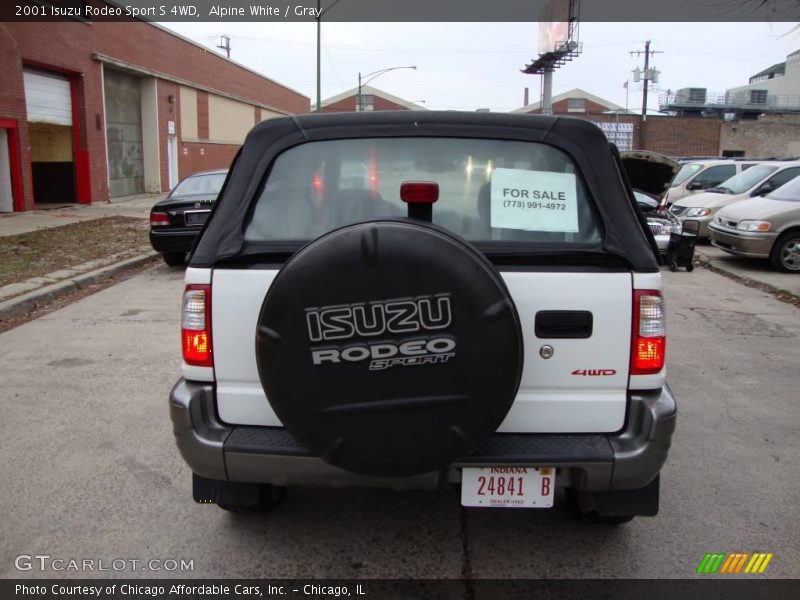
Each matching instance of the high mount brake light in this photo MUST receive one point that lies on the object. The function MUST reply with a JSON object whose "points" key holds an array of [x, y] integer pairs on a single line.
{"points": [[419, 192], [196, 326], [649, 333], [420, 196]]}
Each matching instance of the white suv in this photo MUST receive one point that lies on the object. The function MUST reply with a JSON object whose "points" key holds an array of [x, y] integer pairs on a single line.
{"points": [[426, 327]]}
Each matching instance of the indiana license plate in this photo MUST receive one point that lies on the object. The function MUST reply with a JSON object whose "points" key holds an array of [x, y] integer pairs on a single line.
{"points": [[508, 487]]}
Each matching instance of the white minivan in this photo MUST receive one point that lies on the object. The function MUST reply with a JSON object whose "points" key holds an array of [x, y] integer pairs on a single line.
{"points": [[755, 181], [699, 175]]}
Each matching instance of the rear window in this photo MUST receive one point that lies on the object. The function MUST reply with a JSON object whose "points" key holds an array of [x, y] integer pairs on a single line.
{"points": [[197, 185], [489, 190]]}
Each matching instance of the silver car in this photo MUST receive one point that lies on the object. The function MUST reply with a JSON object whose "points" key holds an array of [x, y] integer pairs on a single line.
{"points": [[767, 227], [661, 223]]}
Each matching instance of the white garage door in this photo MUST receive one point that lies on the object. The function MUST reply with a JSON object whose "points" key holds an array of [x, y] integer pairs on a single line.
{"points": [[48, 98]]}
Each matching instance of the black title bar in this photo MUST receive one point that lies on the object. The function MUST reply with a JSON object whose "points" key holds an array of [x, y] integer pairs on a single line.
{"points": [[402, 10]]}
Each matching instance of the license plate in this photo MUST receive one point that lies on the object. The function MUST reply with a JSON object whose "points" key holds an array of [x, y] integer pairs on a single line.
{"points": [[196, 218], [508, 487]]}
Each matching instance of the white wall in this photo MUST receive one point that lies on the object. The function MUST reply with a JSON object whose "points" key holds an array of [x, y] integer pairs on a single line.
{"points": [[229, 121]]}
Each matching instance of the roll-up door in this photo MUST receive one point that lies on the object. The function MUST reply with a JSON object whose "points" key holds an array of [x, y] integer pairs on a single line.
{"points": [[48, 100], [124, 134]]}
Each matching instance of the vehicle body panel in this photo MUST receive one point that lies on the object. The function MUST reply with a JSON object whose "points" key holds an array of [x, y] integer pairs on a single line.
{"points": [[550, 397]]}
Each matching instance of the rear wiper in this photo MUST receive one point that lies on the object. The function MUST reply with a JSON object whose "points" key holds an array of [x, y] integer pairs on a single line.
{"points": [[720, 190]]}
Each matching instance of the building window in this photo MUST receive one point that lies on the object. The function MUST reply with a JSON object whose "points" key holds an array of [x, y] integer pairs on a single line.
{"points": [[576, 105], [758, 96], [367, 102]]}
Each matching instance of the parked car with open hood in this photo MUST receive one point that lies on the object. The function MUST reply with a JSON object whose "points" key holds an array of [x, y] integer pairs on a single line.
{"points": [[767, 227], [176, 220], [649, 174], [755, 181]]}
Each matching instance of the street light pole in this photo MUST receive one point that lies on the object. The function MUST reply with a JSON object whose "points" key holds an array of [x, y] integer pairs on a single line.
{"points": [[365, 79]]}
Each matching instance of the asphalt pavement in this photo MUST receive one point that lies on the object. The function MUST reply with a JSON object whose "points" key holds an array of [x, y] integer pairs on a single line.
{"points": [[90, 469], [759, 270]]}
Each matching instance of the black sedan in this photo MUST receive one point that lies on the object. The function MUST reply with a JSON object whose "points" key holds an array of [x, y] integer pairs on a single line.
{"points": [[176, 220]]}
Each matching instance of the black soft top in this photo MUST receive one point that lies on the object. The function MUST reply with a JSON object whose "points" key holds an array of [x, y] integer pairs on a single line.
{"points": [[623, 234]]}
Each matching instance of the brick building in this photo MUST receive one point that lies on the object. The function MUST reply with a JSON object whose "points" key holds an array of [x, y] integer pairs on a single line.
{"points": [[769, 135], [574, 102], [95, 110], [372, 98]]}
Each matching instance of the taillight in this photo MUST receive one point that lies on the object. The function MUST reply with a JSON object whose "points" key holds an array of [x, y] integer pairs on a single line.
{"points": [[649, 334], [159, 219], [196, 326]]}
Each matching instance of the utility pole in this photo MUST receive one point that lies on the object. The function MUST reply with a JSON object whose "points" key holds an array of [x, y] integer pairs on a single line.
{"points": [[225, 44], [647, 77]]}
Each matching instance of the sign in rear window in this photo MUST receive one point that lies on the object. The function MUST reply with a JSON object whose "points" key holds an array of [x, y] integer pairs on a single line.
{"points": [[534, 200]]}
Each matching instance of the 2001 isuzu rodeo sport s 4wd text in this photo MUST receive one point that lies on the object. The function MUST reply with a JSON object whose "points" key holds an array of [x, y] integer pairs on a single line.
{"points": [[364, 307]]}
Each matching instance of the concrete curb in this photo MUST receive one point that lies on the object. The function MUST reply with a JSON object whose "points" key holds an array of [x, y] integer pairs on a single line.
{"points": [[781, 294], [44, 295]]}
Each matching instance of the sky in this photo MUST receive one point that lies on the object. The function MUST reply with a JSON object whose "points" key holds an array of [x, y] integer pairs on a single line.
{"points": [[466, 66]]}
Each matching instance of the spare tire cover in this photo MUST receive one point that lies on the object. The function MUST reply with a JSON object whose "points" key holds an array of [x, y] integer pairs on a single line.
{"points": [[389, 347]]}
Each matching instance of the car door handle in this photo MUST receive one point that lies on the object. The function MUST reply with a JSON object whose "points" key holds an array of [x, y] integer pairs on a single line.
{"points": [[563, 324]]}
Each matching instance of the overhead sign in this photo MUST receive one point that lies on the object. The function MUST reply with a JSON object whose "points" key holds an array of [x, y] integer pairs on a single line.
{"points": [[554, 26], [534, 200]]}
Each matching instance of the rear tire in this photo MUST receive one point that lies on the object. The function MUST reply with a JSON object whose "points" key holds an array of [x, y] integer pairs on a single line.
{"points": [[690, 267], [174, 259], [785, 254], [270, 496]]}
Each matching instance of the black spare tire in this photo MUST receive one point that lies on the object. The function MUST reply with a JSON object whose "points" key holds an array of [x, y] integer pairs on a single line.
{"points": [[389, 347]]}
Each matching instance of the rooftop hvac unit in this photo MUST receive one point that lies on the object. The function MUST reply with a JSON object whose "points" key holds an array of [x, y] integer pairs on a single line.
{"points": [[690, 96]]}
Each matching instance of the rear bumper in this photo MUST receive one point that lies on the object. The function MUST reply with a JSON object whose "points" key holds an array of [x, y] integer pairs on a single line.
{"points": [[172, 240], [626, 460], [742, 243]]}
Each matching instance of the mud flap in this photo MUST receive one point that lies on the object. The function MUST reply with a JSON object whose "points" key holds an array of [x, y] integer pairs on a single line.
{"points": [[211, 491], [620, 503]]}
